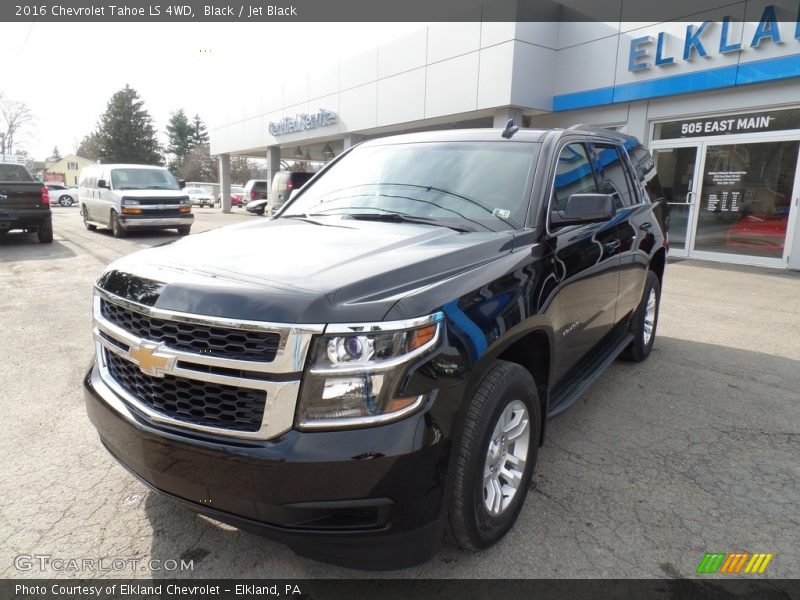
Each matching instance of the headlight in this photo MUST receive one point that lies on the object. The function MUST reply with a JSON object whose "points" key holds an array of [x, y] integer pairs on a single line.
{"points": [[355, 372], [129, 202], [186, 201]]}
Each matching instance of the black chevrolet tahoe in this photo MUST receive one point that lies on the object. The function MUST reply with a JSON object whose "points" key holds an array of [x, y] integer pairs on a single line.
{"points": [[377, 363]]}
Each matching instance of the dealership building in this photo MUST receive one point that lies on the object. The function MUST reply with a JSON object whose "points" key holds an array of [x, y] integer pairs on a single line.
{"points": [[716, 99]]}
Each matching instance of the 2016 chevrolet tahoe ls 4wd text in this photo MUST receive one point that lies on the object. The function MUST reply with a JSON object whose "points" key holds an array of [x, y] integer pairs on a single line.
{"points": [[377, 363]]}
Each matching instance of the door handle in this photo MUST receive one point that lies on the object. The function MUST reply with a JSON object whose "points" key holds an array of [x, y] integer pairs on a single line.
{"points": [[646, 226], [693, 196], [612, 246]]}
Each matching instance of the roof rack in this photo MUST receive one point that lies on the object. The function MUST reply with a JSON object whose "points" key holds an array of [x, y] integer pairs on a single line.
{"points": [[601, 131]]}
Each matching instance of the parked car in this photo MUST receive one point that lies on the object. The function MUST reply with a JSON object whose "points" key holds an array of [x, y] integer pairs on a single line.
{"points": [[24, 203], [237, 195], [256, 189], [284, 184], [257, 207], [61, 194], [199, 196], [125, 197], [379, 361]]}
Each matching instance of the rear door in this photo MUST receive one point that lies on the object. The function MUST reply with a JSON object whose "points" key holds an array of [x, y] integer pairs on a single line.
{"points": [[585, 261], [634, 222]]}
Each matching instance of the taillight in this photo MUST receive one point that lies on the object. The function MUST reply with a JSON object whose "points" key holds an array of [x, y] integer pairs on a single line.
{"points": [[253, 195], [289, 185], [45, 196]]}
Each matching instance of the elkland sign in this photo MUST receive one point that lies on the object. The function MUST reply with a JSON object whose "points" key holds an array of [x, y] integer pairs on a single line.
{"points": [[302, 122], [664, 49]]}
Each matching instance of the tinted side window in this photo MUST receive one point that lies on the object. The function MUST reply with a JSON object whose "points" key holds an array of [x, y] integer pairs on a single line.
{"points": [[646, 172], [573, 175], [612, 175], [299, 179]]}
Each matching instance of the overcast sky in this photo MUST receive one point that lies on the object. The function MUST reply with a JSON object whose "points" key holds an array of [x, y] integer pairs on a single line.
{"points": [[66, 72]]}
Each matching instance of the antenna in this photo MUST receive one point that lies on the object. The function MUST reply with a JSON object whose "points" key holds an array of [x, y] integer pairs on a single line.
{"points": [[510, 129]]}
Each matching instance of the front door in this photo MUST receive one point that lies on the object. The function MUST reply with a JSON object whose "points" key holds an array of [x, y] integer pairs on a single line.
{"points": [[678, 170], [585, 263]]}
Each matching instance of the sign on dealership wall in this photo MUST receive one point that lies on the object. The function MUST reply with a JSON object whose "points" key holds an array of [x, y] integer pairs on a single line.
{"points": [[774, 120], [302, 122], [708, 39]]}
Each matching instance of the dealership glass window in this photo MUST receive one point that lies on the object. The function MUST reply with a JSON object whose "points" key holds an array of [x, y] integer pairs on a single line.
{"points": [[573, 175], [746, 197]]}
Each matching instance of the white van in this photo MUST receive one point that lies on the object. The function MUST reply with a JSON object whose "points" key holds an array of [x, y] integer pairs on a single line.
{"points": [[125, 197]]}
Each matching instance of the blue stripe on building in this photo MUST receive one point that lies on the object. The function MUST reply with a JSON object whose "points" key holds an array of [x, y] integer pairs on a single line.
{"points": [[770, 69]]}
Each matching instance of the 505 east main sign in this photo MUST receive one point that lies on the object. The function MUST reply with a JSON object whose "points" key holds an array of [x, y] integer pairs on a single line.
{"points": [[302, 122], [664, 49]]}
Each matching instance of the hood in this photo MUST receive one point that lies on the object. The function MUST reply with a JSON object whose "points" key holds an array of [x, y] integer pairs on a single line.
{"points": [[297, 271]]}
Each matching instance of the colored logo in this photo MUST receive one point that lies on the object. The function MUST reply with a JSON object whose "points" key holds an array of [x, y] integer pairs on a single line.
{"points": [[150, 361], [734, 563]]}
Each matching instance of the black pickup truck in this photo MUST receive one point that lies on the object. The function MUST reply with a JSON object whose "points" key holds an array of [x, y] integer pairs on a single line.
{"points": [[376, 364], [24, 203]]}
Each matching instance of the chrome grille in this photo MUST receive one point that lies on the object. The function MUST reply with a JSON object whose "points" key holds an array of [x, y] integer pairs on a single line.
{"points": [[241, 380], [191, 337]]}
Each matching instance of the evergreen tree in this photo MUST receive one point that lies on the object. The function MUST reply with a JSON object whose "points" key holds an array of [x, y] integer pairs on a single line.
{"points": [[179, 137], [56, 155], [199, 132], [89, 147], [125, 132]]}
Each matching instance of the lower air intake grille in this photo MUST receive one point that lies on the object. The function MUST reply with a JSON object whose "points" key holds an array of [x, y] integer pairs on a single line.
{"points": [[189, 400]]}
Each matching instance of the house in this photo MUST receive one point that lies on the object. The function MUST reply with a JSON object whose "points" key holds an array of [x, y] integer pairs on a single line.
{"points": [[66, 170]]}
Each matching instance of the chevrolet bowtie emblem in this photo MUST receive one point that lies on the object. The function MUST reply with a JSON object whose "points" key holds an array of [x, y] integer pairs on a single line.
{"points": [[150, 361]]}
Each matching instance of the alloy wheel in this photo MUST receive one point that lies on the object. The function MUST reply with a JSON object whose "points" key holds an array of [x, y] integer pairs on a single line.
{"points": [[506, 457], [649, 317]]}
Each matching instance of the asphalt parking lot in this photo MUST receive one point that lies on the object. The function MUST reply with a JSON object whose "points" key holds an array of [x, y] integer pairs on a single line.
{"points": [[694, 450]]}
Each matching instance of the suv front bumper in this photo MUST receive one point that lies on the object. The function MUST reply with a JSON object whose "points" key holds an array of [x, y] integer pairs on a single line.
{"points": [[368, 498]]}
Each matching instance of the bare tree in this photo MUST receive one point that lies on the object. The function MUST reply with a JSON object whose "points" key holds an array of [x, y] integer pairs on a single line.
{"points": [[15, 117]]}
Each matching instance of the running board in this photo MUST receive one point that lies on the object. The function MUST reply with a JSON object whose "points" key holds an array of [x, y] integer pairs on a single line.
{"points": [[588, 376]]}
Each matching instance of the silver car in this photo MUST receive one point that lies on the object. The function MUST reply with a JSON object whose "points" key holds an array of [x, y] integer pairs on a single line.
{"points": [[61, 194]]}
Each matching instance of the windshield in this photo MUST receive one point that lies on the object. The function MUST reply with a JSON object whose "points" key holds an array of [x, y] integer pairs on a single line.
{"points": [[480, 182], [236, 189], [143, 179], [195, 191]]}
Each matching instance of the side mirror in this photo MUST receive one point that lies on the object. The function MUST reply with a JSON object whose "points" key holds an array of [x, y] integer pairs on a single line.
{"points": [[181, 183], [582, 209], [102, 183]]}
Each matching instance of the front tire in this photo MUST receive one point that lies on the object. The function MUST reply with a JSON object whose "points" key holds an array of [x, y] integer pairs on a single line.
{"points": [[116, 227], [184, 229], [496, 457], [644, 321], [85, 215]]}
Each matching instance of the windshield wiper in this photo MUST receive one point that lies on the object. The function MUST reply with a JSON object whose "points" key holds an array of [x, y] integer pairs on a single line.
{"points": [[394, 217]]}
